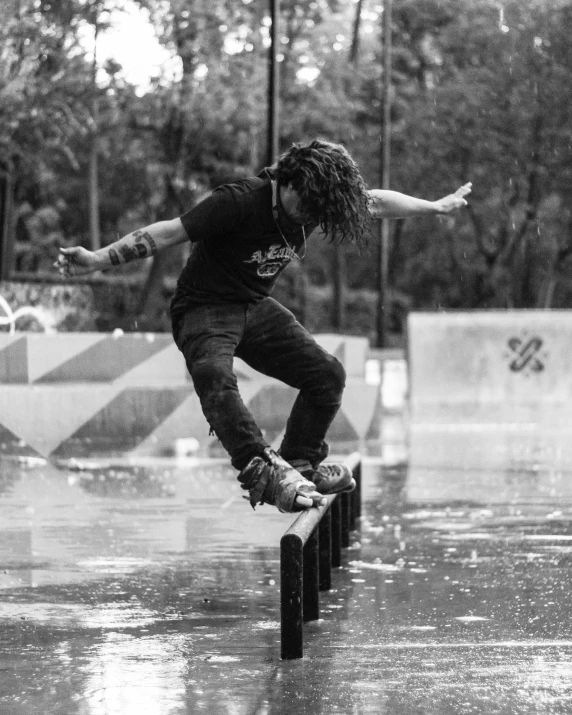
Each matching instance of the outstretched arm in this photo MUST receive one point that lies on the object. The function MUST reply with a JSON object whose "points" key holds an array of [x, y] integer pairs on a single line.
{"points": [[392, 204], [76, 261]]}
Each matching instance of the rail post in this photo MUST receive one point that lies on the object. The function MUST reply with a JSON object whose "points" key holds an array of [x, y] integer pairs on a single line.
{"points": [[336, 534], [291, 557], [325, 551], [311, 578], [308, 551], [355, 496], [345, 519]]}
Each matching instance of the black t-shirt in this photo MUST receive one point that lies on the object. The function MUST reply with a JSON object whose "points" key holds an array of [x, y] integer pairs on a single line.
{"points": [[240, 246]]}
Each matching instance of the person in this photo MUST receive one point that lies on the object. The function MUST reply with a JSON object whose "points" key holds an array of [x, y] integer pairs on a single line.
{"points": [[244, 234]]}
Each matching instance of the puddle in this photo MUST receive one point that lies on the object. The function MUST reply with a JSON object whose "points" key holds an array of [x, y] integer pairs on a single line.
{"points": [[131, 600]]}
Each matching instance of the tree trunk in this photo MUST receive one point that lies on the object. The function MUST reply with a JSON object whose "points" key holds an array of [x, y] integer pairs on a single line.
{"points": [[354, 49], [6, 221], [549, 292], [339, 259], [151, 310]]}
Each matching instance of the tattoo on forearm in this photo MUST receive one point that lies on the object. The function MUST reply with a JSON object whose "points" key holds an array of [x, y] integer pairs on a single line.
{"points": [[142, 238], [128, 253], [143, 247]]}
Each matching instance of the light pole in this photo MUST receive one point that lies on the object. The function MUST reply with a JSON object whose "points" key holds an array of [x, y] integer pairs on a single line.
{"points": [[384, 177], [93, 190], [273, 85]]}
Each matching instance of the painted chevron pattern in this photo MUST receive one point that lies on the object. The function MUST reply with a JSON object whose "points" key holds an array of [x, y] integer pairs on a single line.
{"points": [[79, 394]]}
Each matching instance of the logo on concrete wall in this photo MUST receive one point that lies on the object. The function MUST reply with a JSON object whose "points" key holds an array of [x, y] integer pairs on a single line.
{"points": [[526, 354]]}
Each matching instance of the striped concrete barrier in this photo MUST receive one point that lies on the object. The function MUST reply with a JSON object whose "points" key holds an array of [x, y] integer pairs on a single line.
{"points": [[76, 394]]}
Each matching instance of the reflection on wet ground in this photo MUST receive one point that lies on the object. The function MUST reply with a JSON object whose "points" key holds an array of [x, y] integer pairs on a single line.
{"points": [[153, 589]]}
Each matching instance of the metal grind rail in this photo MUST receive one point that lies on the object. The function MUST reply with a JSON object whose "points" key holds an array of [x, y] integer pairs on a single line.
{"points": [[309, 550]]}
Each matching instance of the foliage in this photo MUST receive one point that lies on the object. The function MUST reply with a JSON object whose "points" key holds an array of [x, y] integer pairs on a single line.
{"points": [[494, 109], [482, 92]]}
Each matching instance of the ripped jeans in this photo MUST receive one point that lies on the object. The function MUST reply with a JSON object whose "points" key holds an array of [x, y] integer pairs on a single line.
{"points": [[267, 337]]}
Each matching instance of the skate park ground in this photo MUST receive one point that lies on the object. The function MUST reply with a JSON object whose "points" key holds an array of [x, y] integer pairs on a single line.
{"points": [[150, 587]]}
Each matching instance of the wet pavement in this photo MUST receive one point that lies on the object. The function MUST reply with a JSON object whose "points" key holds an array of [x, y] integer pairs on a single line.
{"points": [[153, 589]]}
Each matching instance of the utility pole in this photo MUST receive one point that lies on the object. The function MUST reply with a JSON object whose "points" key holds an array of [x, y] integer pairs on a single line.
{"points": [[93, 190], [273, 84], [384, 177]]}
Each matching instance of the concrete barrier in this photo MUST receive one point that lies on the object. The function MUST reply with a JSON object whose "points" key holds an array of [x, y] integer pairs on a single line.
{"points": [[76, 394], [500, 367], [489, 391]]}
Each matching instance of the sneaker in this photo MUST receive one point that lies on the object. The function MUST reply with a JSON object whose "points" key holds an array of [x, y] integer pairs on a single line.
{"points": [[328, 477], [269, 479]]}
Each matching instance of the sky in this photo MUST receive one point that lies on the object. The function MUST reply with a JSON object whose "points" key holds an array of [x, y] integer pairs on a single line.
{"points": [[132, 42]]}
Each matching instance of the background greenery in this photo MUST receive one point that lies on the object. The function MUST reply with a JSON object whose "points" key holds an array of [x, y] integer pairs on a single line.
{"points": [[482, 93]]}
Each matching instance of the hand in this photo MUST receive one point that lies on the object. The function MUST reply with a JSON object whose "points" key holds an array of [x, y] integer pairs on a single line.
{"points": [[309, 500], [76, 261], [455, 201]]}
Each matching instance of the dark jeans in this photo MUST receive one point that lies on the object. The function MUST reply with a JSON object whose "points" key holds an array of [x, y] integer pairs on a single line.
{"points": [[270, 339]]}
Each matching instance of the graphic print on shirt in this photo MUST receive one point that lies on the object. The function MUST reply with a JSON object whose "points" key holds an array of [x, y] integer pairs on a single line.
{"points": [[271, 261]]}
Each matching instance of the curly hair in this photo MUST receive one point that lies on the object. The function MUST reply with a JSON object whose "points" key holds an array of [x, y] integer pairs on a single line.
{"points": [[330, 187]]}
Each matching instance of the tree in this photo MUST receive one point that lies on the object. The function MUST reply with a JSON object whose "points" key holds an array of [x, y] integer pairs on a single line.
{"points": [[480, 93], [494, 108]]}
